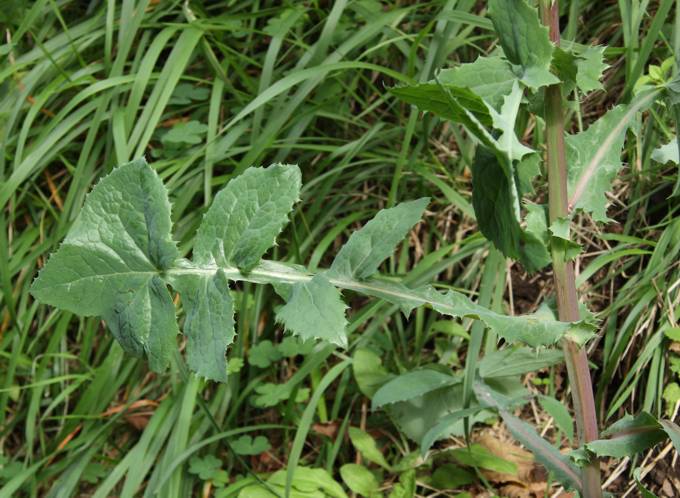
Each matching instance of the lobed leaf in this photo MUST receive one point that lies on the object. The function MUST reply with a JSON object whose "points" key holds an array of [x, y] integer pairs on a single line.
{"points": [[246, 216], [209, 323], [525, 40], [368, 247], [504, 121], [110, 260], [590, 68], [628, 436], [117, 257], [316, 310]]}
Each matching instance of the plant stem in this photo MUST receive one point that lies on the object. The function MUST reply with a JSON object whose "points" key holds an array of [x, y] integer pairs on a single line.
{"points": [[565, 282]]}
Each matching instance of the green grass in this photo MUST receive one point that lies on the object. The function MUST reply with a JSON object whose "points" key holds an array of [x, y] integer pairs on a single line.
{"points": [[85, 86]]}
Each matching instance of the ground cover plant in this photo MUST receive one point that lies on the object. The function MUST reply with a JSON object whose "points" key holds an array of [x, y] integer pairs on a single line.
{"points": [[481, 219]]}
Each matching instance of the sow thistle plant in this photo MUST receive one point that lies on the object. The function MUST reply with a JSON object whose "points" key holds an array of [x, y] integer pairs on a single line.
{"points": [[119, 259]]}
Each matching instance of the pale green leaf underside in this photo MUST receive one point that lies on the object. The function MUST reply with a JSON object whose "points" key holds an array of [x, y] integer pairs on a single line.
{"points": [[111, 260], [582, 148], [669, 152], [209, 323], [119, 257], [361, 256], [591, 67], [524, 39], [315, 310], [247, 215]]}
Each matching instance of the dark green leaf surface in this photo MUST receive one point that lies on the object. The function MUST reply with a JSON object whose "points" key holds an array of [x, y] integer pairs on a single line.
{"points": [[490, 78], [458, 104]]}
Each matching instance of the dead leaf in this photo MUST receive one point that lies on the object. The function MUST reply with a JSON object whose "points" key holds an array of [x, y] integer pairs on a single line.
{"points": [[530, 481], [329, 429]]}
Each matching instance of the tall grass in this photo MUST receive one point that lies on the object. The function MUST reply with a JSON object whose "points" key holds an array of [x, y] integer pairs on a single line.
{"points": [[206, 89]]}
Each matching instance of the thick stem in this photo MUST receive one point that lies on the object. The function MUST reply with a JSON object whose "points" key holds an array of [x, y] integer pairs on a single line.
{"points": [[565, 282]]}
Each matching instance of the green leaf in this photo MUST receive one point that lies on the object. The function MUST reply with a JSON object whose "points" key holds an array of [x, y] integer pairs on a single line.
{"points": [[144, 321], [268, 394], [644, 492], [558, 411], [417, 416], [496, 203], [477, 455], [110, 260], [591, 67], [671, 395], [185, 93], [411, 385], [366, 248], [450, 476], [359, 479], [246, 216], [209, 324], [543, 451], [525, 41], [205, 467], [263, 354], [367, 446], [628, 436], [249, 445], [673, 432], [504, 121], [560, 240], [316, 310], [191, 133], [534, 329], [293, 346], [527, 169], [369, 372], [668, 153], [490, 78], [447, 426], [457, 104], [406, 487], [307, 482], [517, 361], [585, 147]]}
